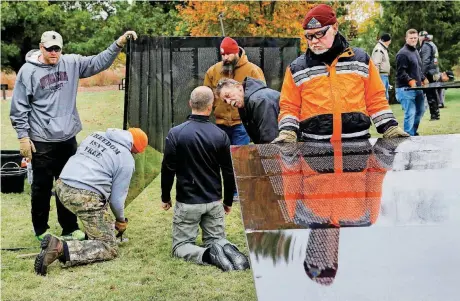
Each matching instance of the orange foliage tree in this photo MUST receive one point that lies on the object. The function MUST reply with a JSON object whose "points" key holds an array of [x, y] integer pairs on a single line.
{"points": [[248, 18]]}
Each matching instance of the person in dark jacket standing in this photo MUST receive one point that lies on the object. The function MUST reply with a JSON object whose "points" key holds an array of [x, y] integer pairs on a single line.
{"points": [[257, 105], [429, 56], [409, 75], [45, 117], [196, 152]]}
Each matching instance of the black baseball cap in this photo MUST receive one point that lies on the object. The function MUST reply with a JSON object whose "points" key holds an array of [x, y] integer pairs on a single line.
{"points": [[385, 37]]}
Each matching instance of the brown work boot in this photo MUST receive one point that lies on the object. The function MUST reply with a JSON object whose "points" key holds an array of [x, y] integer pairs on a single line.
{"points": [[52, 249]]}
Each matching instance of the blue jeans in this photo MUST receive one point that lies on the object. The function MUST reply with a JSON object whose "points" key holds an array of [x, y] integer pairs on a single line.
{"points": [[236, 133], [386, 83], [413, 106]]}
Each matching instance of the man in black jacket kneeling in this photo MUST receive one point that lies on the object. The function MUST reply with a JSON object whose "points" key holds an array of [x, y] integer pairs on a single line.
{"points": [[196, 152], [258, 106]]}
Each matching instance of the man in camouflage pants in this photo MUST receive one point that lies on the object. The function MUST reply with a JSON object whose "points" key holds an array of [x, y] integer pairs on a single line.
{"points": [[96, 177]]}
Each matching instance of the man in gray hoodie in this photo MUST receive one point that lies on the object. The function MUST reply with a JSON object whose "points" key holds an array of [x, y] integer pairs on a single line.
{"points": [[96, 177], [44, 115]]}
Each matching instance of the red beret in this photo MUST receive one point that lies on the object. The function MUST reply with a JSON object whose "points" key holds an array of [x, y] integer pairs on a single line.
{"points": [[319, 16], [229, 46]]}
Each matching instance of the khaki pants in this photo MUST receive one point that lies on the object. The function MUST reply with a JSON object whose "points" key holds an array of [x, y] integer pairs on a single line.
{"points": [[186, 222], [93, 212]]}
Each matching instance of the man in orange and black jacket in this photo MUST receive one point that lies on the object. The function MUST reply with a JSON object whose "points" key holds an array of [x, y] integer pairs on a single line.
{"points": [[333, 91]]}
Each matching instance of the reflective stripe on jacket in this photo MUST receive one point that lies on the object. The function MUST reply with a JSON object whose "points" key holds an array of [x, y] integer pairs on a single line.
{"points": [[327, 184], [334, 102]]}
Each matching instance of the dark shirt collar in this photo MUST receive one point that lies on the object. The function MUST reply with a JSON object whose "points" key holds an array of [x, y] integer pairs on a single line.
{"points": [[198, 117], [410, 47], [338, 46]]}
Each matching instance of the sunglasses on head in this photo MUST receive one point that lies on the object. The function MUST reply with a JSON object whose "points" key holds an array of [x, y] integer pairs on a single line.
{"points": [[53, 48], [318, 35]]}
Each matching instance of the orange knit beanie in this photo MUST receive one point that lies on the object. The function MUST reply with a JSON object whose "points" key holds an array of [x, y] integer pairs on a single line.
{"points": [[140, 140]]}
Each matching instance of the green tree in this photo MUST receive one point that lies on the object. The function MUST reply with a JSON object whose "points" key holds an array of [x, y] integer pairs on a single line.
{"points": [[142, 17], [86, 27], [439, 18], [367, 28], [22, 24]]}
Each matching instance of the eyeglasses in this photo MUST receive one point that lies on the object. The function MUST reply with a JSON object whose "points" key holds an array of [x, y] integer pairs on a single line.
{"points": [[53, 48], [318, 35]]}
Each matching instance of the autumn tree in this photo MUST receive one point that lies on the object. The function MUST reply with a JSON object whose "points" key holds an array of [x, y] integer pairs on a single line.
{"points": [[251, 18], [365, 16]]}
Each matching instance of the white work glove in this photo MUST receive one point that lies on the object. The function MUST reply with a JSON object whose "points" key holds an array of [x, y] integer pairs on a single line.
{"points": [[436, 77], [26, 147], [121, 42], [394, 132]]}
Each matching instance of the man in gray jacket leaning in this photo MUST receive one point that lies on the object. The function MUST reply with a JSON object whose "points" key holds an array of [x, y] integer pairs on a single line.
{"points": [[257, 105], [381, 60], [96, 177], [44, 115]]}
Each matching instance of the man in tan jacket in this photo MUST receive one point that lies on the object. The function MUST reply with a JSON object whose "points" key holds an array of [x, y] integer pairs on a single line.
{"points": [[382, 60], [235, 65]]}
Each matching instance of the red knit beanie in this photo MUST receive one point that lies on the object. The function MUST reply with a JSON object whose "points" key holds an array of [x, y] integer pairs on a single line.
{"points": [[319, 16], [229, 46]]}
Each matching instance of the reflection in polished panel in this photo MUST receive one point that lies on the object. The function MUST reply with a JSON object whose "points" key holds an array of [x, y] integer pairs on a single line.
{"points": [[320, 259], [353, 220]]}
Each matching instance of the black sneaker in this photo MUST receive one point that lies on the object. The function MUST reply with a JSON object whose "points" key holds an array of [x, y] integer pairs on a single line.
{"points": [[238, 259], [52, 249], [218, 258]]}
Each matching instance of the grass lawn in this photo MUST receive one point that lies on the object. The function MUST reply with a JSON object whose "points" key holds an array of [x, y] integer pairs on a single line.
{"points": [[450, 117], [145, 269]]}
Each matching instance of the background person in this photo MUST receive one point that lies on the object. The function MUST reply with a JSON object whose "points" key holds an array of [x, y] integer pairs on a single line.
{"points": [[45, 117], [429, 56], [382, 60], [409, 75]]}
